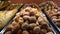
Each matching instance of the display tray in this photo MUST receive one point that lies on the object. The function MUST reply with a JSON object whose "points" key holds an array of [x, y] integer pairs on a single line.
{"points": [[3, 9], [52, 22], [32, 5], [47, 6], [3, 30], [36, 6]]}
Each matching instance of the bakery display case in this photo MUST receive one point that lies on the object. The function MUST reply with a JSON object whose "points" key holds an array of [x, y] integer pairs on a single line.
{"points": [[30, 20], [29, 17]]}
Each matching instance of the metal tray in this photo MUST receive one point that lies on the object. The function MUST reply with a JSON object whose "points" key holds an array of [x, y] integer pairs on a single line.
{"points": [[3, 30], [54, 32], [51, 22]]}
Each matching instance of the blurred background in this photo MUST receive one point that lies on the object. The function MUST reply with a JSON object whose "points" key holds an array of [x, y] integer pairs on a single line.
{"points": [[35, 1]]}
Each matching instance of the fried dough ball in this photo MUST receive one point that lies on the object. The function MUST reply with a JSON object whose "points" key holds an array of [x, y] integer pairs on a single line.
{"points": [[26, 13], [19, 32], [37, 23], [30, 31], [44, 25], [37, 15], [36, 30], [32, 19], [25, 32], [49, 29], [32, 25], [9, 32], [27, 10], [54, 17], [49, 33], [26, 17], [57, 23], [59, 17], [40, 20], [24, 26], [20, 20], [43, 31], [32, 13], [10, 27]]}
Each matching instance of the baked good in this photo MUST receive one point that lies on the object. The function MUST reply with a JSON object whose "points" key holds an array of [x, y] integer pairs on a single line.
{"points": [[7, 15], [52, 10], [29, 21]]}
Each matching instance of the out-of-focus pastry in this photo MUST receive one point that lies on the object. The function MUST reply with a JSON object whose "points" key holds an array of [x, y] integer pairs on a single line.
{"points": [[4, 4], [52, 10], [8, 14]]}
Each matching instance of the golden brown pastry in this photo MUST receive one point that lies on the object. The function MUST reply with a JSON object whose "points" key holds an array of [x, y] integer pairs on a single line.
{"points": [[4, 4], [29, 21], [7, 15], [52, 10]]}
